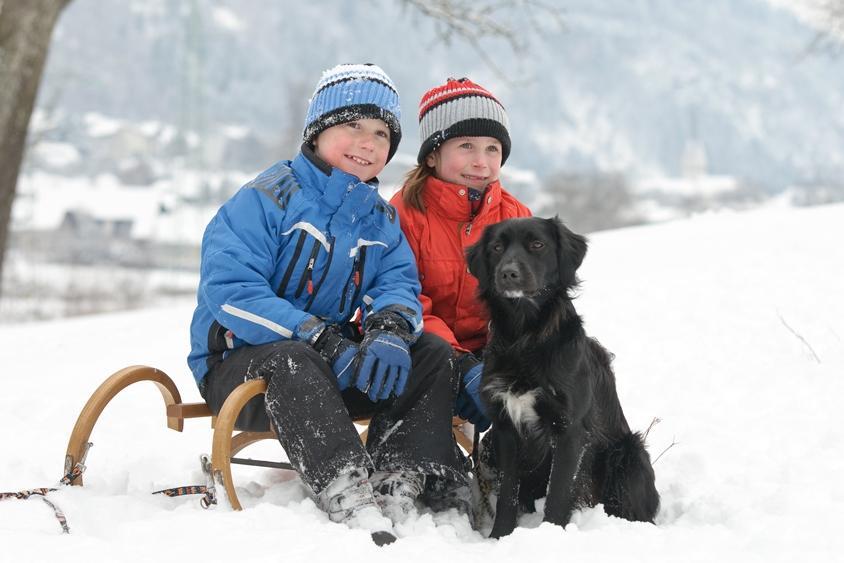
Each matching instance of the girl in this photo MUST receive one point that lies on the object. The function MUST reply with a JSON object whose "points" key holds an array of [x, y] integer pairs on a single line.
{"points": [[286, 263], [446, 201]]}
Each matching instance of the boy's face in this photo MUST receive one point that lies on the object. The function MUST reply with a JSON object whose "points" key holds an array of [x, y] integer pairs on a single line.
{"points": [[358, 147], [469, 161]]}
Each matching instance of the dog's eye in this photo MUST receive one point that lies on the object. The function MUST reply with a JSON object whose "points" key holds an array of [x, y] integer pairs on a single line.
{"points": [[497, 247], [537, 245]]}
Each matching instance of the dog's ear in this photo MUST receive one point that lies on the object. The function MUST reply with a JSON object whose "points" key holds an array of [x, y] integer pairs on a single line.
{"points": [[476, 260], [571, 249]]}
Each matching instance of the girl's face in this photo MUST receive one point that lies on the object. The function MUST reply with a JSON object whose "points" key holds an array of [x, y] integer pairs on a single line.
{"points": [[469, 161], [358, 147]]}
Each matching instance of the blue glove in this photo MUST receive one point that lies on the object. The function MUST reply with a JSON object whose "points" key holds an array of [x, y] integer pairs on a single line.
{"points": [[384, 357], [383, 365], [469, 404], [339, 353]]}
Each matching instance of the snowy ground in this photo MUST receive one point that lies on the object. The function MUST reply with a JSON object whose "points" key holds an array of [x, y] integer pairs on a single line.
{"points": [[728, 327]]}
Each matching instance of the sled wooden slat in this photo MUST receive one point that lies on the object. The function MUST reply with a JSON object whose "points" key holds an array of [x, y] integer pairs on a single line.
{"points": [[227, 441], [188, 410]]}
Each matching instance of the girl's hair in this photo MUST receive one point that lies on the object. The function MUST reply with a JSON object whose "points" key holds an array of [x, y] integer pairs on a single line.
{"points": [[414, 183]]}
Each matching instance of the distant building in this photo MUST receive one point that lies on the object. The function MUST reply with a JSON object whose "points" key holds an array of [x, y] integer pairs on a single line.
{"points": [[82, 224]]}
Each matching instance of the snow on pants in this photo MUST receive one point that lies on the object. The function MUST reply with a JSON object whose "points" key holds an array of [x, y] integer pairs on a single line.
{"points": [[313, 417]]}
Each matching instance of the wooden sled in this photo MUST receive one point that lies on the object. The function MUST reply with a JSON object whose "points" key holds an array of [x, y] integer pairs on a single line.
{"points": [[227, 441]]}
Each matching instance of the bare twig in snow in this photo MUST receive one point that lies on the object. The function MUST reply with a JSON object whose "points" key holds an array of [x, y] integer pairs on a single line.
{"points": [[653, 423], [656, 420], [673, 443], [803, 340]]}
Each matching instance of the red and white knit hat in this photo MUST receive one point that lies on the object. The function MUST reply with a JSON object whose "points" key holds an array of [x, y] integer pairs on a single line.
{"points": [[461, 108]]}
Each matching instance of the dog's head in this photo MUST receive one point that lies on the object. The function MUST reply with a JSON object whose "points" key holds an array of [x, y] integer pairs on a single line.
{"points": [[527, 257]]}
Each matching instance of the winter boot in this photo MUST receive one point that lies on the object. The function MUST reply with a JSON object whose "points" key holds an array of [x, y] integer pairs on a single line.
{"points": [[349, 499], [442, 494], [396, 491]]}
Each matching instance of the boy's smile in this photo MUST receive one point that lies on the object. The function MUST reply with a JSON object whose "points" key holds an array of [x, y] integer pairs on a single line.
{"points": [[357, 147], [358, 160]]}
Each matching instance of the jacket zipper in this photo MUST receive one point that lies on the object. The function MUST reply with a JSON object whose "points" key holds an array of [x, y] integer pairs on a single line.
{"points": [[346, 285], [324, 274], [306, 278], [358, 276], [286, 279]]}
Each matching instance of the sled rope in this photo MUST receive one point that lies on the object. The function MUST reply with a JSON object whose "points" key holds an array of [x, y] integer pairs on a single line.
{"points": [[209, 491], [41, 492], [182, 491]]}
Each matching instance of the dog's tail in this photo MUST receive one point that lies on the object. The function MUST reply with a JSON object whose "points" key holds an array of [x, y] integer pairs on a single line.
{"points": [[629, 490]]}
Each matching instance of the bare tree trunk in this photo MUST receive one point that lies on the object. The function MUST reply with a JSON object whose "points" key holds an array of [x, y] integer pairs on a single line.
{"points": [[25, 30]]}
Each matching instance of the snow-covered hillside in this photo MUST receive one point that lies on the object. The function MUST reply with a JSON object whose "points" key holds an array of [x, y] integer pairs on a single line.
{"points": [[728, 327], [622, 85]]}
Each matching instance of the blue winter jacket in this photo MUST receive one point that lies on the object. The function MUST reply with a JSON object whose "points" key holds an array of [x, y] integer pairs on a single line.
{"points": [[300, 244]]}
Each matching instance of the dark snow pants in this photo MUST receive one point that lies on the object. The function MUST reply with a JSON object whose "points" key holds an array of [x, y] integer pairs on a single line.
{"points": [[313, 417]]}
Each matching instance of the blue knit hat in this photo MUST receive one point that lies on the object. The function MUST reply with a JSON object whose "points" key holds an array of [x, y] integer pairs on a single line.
{"points": [[354, 91]]}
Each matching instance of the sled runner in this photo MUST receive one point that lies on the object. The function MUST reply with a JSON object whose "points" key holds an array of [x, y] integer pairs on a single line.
{"points": [[227, 440]]}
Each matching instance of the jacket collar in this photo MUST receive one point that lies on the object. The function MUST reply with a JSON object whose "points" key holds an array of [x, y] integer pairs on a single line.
{"points": [[452, 202], [336, 188]]}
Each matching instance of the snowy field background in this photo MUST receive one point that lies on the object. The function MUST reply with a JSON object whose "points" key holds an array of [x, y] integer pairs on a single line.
{"points": [[728, 327]]}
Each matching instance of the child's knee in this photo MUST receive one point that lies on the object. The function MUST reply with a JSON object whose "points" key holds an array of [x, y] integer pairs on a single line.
{"points": [[291, 363]]}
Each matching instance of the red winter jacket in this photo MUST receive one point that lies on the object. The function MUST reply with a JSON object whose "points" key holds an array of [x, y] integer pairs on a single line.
{"points": [[439, 237]]}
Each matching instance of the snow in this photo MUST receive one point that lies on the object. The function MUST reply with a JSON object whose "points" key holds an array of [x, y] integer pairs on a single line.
{"points": [[588, 129], [728, 327], [235, 131], [100, 125], [57, 154], [703, 186], [152, 128], [104, 197], [226, 19], [519, 175], [46, 198]]}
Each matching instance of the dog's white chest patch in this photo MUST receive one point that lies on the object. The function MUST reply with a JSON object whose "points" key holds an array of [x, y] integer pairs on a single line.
{"points": [[521, 408]]}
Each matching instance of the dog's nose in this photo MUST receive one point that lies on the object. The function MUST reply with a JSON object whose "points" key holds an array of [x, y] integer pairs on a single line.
{"points": [[509, 272]]}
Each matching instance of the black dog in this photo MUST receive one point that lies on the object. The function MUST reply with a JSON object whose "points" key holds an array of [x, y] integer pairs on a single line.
{"points": [[558, 428]]}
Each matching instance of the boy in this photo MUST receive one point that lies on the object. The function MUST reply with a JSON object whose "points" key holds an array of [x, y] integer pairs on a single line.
{"points": [[286, 264]]}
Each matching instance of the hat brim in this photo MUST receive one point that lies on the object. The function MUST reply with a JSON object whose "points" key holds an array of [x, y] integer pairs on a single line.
{"points": [[346, 114], [475, 127]]}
